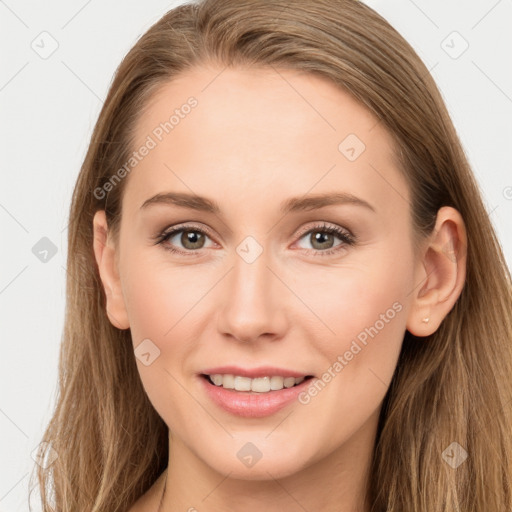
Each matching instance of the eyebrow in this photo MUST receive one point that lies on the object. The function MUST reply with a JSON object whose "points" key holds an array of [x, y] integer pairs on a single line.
{"points": [[293, 204]]}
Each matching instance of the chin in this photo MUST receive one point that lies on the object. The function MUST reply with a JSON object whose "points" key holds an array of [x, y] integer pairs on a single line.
{"points": [[250, 463]]}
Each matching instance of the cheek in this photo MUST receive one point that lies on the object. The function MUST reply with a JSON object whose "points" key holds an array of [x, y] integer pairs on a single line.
{"points": [[352, 301], [364, 308], [158, 297], [366, 311], [160, 304]]}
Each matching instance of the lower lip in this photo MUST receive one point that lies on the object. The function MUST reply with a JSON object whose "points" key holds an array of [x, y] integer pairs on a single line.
{"points": [[251, 404]]}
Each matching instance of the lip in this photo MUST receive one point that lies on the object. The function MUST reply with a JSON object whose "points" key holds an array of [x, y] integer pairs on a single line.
{"points": [[250, 404], [261, 371]]}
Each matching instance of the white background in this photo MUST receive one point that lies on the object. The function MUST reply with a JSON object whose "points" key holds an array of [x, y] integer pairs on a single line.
{"points": [[48, 109]]}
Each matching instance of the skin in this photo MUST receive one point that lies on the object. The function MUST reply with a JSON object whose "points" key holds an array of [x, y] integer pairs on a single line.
{"points": [[256, 138]]}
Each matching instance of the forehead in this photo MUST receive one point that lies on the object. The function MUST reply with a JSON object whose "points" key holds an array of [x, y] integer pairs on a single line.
{"points": [[260, 100], [235, 131]]}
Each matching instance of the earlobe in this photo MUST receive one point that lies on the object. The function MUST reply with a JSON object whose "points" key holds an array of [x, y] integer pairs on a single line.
{"points": [[105, 253], [441, 273]]}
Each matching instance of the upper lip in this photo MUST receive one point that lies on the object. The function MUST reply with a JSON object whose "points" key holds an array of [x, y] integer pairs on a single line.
{"points": [[260, 371]]}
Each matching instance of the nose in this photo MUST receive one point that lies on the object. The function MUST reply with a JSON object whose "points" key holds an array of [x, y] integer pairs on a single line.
{"points": [[252, 302]]}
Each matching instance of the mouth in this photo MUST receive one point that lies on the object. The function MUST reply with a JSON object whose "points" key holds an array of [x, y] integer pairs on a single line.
{"points": [[258, 385], [255, 397]]}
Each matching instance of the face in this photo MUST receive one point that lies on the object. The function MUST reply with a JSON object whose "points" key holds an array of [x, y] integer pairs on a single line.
{"points": [[285, 251]]}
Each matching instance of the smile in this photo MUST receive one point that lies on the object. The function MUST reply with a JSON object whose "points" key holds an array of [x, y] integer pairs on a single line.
{"points": [[257, 385], [253, 397]]}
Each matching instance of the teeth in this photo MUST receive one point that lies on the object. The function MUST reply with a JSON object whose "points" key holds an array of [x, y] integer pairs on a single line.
{"points": [[276, 383], [216, 379], [241, 383], [258, 385], [228, 381], [261, 384], [289, 382]]}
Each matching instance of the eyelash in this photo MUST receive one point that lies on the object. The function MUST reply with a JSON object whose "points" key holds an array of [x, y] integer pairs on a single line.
{"points": [[347, 238]]}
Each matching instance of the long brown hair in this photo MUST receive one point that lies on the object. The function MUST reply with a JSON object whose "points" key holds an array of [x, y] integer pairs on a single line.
{"points": [[453, 386]]}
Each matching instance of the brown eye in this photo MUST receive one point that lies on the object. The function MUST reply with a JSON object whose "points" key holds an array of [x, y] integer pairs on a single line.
{"points": [[192, 239], [184, 240], [321, 240]]}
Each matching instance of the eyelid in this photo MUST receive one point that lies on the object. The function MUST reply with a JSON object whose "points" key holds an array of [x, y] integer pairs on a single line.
{"points": [[184, 226], [327, 226]]}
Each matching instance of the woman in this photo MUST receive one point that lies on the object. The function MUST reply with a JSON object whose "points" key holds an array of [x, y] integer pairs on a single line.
{"points": [[284, 290]]}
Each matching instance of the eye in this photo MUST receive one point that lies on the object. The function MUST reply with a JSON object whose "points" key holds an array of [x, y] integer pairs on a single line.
{"points": [[188, 240], [183, 239], [322, 239]]}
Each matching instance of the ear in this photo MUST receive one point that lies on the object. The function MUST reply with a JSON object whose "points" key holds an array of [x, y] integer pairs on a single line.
{"points": [[440, 274], [105, 254]]}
